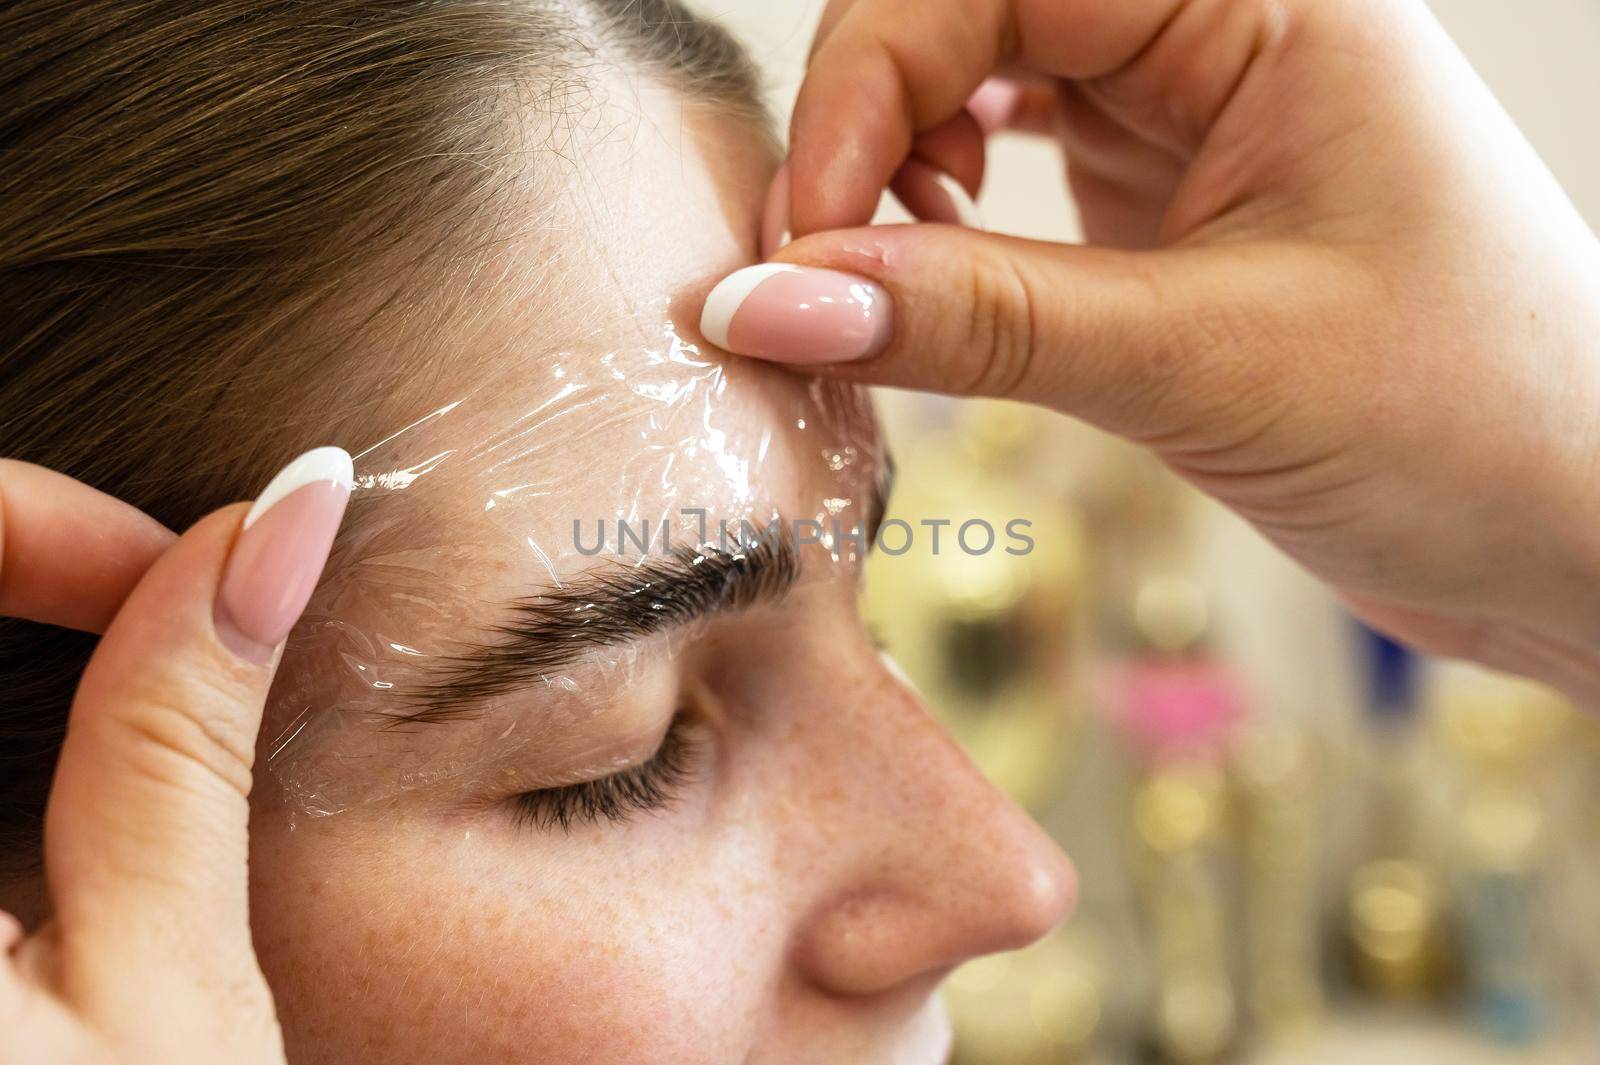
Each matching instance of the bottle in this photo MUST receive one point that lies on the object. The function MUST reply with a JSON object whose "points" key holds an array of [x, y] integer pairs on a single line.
{"points": [[1501, 732], [1281, 838], [1042, 1005], [1180, 706], [1395, 909], [986, 629], [990, 638]]}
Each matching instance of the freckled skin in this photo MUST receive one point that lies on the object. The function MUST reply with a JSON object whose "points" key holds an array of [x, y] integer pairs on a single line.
{"points": [[833, 859]]}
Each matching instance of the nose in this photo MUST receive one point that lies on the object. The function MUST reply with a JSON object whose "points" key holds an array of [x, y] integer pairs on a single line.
{"points": [[930, 864]]}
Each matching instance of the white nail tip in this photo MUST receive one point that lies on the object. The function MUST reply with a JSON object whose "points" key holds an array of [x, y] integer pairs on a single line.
{"points": [[724, 301], [966, 210], [318, 464]]}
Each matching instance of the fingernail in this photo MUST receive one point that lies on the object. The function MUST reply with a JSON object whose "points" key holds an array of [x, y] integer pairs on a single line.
{"points": [[797, 314], [993, 103], [934, 196], [280, 552], [775, 215]]}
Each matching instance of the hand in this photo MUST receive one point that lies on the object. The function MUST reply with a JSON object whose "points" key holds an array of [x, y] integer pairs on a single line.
{"points": [[1333, 286], [146, 956]]}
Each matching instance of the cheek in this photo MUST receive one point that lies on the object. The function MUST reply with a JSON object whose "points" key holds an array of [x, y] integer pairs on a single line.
{"points": [[603, 948]]}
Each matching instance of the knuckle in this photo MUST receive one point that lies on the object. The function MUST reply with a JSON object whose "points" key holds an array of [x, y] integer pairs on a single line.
{"points": [[1195, 377], [1001, 326], [169, 735]]}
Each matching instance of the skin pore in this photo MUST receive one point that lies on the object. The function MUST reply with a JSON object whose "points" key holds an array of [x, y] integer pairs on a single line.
{"points": [[827, 854]]}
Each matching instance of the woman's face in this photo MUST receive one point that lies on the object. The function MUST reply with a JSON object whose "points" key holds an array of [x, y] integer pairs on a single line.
{"points": [[532, 802]]}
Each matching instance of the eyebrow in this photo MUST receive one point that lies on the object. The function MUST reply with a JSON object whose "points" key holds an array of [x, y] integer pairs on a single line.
{"points": [[615, 605], [603, 607]]}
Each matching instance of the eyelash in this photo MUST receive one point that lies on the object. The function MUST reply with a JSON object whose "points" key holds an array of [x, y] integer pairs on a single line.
{"points": [[651, 785]]}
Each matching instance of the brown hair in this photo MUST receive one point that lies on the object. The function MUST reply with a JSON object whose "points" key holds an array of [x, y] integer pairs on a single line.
{"points": [[184, 184]]}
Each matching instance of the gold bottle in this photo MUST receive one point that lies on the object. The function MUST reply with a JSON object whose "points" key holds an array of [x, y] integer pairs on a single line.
{"points": [[1396, 912], [1281, 837], [989, 638], [1179, 814], [1180, 707]]}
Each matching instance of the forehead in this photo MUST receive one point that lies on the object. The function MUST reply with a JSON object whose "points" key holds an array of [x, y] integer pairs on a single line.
{"points": [[574, 396], [662, 439], [591, 396]]}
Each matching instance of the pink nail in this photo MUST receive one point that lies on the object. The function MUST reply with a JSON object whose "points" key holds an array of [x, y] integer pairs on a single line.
{"points": [[994, 102], [775, 215], [797, 314], [934, 196], [280, 552]]}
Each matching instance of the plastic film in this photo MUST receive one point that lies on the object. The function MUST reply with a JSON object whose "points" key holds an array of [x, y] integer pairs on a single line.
{"points": [[512, 563]]}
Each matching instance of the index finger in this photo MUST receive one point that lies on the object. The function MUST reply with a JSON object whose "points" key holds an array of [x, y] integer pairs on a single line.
{"points": [[890, 69], [69, 554]]}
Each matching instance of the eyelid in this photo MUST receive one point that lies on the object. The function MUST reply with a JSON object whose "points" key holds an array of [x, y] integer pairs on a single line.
{"points": [[651, 785]]}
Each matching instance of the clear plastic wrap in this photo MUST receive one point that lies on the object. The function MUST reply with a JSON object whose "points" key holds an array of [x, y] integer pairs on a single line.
{"points": [[532, 502]]}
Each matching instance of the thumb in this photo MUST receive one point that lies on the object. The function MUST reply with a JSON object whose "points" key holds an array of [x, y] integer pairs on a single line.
{"points": [[1146, 344], [145, 834]]}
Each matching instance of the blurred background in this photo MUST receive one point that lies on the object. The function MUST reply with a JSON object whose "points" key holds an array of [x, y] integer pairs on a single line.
{"points": [[1297, 841]]}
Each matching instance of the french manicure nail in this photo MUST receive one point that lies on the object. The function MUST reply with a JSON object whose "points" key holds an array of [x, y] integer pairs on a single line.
{"points": [[934, 196], [993, 103], [775, 214], [281, 550], [799, 314]]}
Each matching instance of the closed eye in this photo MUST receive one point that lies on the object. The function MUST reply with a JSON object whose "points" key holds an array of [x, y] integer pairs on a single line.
{"points": [[648, 786]]}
